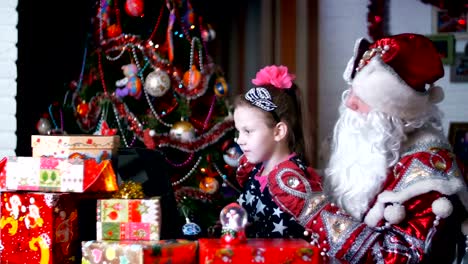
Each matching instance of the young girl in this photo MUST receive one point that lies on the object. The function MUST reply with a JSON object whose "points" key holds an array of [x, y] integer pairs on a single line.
{"points": [[275, 181]]}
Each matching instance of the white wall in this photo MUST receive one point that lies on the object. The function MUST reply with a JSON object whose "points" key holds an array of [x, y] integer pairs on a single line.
{"points": [[341, 22], [8, 74]]}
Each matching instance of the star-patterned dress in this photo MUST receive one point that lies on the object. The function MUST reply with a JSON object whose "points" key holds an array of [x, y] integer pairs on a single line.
{"points": [[266, 217]]}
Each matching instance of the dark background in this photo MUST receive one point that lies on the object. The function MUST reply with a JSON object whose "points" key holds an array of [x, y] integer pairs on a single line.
{"points": [[51, 36]]}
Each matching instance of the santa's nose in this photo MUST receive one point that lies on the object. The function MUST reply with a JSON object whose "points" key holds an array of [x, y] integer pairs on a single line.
{"points": [[351, 102], [355, 103]]}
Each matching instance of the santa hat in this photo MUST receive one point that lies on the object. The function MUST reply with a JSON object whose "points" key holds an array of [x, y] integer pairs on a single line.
{"points": [[396, 74]]}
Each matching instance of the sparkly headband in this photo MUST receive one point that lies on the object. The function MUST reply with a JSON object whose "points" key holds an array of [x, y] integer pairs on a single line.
{"points": [[260, 97]]}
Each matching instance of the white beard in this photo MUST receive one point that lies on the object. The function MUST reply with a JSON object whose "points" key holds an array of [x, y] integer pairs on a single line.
{"points": [[364, 146]]}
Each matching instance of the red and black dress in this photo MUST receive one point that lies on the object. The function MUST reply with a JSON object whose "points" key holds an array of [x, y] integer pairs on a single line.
{"points": [[267, 199]]}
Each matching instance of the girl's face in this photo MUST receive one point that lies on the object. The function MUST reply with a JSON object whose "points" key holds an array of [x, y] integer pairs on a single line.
{"points": [[256, 138]]}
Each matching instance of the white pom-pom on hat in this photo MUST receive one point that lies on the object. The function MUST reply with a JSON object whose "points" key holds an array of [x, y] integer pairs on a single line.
{"points": [[394, 213], [442, 207]]}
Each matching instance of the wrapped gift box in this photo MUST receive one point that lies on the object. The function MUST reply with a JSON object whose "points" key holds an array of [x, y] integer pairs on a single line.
{"points": [[39, 228], [274, 251], [128, 219], [72, 146], [139, 252], [57, 175]]}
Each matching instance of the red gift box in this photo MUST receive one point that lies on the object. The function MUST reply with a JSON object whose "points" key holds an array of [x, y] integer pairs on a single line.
{"points": [[139, 252], [287, 251], [57, 175], [39, 228]]}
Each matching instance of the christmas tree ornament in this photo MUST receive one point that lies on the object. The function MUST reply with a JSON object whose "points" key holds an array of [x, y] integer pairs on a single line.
{"points": [[182, 131], [221, 88], [189, 228], [232, 155], [82, 109], [192, 78], [131, 84], [208, 34], [157, 83], [114, 31], [195, 81], [233, 218], [209, 185], [43, 126], [134, 8]]}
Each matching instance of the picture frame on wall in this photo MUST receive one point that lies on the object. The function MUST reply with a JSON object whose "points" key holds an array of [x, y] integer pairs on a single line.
{"points": [[458, 138], [445, 45], [443, 23], [459, 69]]}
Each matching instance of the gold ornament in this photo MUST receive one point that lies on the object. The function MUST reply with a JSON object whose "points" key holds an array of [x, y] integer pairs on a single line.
{"points": [[130, 190], [182, 131], [220, 87]]}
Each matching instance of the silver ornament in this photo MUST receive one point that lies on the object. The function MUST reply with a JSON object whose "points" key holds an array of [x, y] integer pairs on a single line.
{"points": [[157, 83], [232, 156], [43, 126]]}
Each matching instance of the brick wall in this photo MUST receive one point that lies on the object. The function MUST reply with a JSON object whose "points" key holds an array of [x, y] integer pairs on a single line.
{"points": [[8, 74]]}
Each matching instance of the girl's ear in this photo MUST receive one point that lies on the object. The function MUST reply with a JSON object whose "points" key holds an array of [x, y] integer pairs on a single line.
{"points": [[281, 130]]}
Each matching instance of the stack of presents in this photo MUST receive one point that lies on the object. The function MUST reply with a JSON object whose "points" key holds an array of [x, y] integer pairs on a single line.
{"points": [[59, 206]]}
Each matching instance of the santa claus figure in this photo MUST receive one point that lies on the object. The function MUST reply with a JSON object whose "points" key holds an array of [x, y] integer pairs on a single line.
{"points": [[393, 190]]}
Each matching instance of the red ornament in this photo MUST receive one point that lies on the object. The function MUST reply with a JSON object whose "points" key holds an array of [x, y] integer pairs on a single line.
{"points": [[148, 139], [82, 109], [134, 8], [114, 31]]}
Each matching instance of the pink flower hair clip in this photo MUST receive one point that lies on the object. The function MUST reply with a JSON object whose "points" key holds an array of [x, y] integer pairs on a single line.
{"points": [[277, 76]]}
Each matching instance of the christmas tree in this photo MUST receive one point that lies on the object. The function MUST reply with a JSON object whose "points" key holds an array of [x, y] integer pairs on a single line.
{"points": [[147, 76]]}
